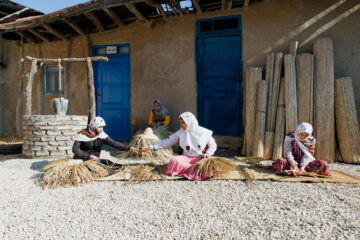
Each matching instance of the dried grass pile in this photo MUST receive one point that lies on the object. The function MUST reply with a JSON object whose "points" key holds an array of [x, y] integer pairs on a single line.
{"points": [[256, 161], [213, 166], [140, 141], [7, 139], [163, 132], [67, 172]]}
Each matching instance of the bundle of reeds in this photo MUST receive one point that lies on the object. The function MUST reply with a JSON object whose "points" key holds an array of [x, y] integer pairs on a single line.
{"points": [[67, 172], [213, 166], [162, 132], [143, 140]]}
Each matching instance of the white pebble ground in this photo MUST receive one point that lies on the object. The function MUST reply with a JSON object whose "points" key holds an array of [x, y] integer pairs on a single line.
{"points": [[174, 209]]}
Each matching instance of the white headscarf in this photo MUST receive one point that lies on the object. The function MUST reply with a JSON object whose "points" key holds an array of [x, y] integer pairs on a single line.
{"points": [[93, 125], [194, 138], [304, 127]]}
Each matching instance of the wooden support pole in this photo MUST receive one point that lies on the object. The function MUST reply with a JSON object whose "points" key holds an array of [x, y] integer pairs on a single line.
{"points": [[280, 124], [28, 89], [73, 25], [55, 60], [54, 32], [347, 124], [59, 75], [290, 93], [226, 4], [259, 134], [136, 12], [304, 87], [197, 6], [95, 20], [157, 6], [113, 17], [19, 105], [293, 48], [252, 77], [92, 103], [324, 119], [38, 34]]}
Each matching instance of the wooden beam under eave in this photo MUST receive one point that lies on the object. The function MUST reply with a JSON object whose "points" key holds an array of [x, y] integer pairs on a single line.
{"points": [[226, 4], [73, 25], [26, 36], [177, 6], [157, 6], [113, 16], [38, 34], [246, 3], [95, 20], [54, 32], [136, 12], [197, 6]]}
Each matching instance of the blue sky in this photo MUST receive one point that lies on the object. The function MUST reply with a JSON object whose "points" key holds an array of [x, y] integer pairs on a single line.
{"points": [[48, 6]]}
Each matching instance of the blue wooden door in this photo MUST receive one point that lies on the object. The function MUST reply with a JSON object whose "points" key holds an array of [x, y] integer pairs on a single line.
{"points": [[112, 90], [219, 89]]}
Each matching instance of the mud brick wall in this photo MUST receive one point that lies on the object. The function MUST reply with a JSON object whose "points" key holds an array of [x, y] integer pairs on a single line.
{"points": [[50, 135]]}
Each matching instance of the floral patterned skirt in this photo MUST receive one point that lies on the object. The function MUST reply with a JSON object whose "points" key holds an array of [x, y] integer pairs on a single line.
{"points": [[318, 166]]}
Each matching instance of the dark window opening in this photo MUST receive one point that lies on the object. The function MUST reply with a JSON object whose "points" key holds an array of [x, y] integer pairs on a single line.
{"points": [[206, 26], [223, 24]]}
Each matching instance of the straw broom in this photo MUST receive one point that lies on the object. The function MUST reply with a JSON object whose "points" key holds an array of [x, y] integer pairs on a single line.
{"points": [[213, 166], [141, 141], [72, 172]]}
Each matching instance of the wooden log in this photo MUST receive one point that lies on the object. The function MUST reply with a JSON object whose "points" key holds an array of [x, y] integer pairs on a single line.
{"points": [[197, 6], [55, 60], [11, 148], [259, 135], [324, 124], [304, 87], [290, 92], [252, 77], [275, 90], [269, 77], [19, 104], [92, 103], [28, 90], [269, 144], [347, 125], [280, 124], [293, 48]]}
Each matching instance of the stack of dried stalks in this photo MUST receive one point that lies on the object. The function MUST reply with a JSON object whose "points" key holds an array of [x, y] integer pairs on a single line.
{"points": [[213, 166], [69, 172]]}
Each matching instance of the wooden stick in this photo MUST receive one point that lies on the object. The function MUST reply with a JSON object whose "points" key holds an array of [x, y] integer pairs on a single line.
{"points": [[324, 124], [19, 105], [347, 124], [259, 135], [290, 92], [92, 103], [269, 77], [280, 124], [59, 75], [252, 77], [275, 89], [28, 89], [304, 87], [53, 60]]}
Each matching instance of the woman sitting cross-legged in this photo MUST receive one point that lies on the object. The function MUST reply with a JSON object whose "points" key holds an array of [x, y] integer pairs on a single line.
{"points": [[299, 148], [196, 143], [88, 142]]}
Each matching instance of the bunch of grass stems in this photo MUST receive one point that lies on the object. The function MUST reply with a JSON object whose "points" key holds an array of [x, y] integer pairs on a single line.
{"points": [[140, 173], [254, 161], [162, 132], [213, 166], [69, 172], [7, 139]]}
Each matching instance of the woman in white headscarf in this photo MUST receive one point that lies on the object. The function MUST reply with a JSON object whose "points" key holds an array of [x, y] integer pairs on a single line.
{"points": [[88, 142], [195, 142], [299, 148]]}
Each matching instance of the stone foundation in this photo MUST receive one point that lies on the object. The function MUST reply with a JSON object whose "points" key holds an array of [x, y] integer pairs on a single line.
{"points": [[51, 135]]}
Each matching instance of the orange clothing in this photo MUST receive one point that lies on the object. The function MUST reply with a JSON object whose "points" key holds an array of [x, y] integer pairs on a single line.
{"points": [[151, 119]]}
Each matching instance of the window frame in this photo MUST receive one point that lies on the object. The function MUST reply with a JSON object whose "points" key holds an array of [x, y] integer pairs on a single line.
{"points": [[46, 71]]}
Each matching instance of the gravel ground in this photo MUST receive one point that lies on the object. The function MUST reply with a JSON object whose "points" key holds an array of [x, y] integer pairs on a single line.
{"points": [[174, 209]]}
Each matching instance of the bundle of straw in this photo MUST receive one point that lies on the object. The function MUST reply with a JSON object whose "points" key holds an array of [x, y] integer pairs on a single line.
{"points": [[162, 132], [69, 172], [140, 141], [213, 166]]}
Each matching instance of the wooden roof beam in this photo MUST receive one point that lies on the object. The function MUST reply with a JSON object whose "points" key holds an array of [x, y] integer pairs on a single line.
{"points": [[226, 4], [113, 16], [197, 6], [26, 36], [38, 34], [246, 3], [157, 6], [54, 32], [95, 20], [136, 12], [177, 6], [73, 25]]}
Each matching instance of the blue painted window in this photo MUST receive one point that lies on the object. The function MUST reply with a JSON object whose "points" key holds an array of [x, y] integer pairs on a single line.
{"points": [[51, 76]]}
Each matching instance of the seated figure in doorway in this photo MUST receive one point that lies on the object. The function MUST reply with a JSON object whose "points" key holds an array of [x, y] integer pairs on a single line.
{"points": [[88, 142], [159, 115]]}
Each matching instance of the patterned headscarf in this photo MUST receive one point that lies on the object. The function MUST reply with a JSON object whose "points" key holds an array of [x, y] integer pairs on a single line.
{"points": [[163, 110], [304, 127], [90, 133]]}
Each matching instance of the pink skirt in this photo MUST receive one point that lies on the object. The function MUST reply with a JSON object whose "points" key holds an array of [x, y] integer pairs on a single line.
{"points": [[181, 165]]}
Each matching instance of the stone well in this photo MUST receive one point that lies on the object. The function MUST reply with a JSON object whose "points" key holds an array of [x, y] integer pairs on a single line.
{"points": [[50, 135]]}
